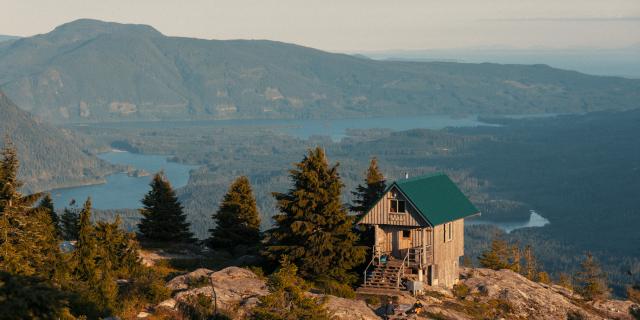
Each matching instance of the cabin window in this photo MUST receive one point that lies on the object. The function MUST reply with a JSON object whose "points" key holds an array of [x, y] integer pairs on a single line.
{"points": [[406, 234], [398, 206], [448, 231]]}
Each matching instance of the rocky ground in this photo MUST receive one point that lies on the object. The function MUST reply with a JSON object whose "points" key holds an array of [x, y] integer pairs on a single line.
{"points": [[488, 294]]}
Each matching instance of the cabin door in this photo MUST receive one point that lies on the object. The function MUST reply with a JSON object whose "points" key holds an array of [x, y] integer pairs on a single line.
{"points": [[395, 243]]}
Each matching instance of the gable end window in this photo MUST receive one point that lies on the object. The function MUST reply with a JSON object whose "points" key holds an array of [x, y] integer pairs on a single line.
{"points": [[398, 206], [448, 231]]}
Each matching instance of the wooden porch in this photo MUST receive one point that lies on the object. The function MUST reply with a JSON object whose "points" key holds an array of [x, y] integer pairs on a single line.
{"points": [[386, 271]]}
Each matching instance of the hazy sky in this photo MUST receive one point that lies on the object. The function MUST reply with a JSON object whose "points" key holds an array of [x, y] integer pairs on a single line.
{"points": [[355, 25]]}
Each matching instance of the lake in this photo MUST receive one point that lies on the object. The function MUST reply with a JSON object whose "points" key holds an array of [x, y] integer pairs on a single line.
{"points": [[336, 129], [122, 191], [535, 221]]}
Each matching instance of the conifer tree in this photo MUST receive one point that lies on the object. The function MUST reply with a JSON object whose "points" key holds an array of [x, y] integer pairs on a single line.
{"points": [[86, 251], [543, 277], [313, 227], [46, 204], [70, 224], [590, 281], [237, 220], [287, 298], [530, 269], [514, 258], [96, 256], [118, 247], [28, 245], [497, 257], [564, 280], [163, 219], [366, 195]]}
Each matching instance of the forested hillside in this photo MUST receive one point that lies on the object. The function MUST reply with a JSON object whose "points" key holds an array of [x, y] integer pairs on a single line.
{"points": [[51, 157], [90, 70], [580, 172]]}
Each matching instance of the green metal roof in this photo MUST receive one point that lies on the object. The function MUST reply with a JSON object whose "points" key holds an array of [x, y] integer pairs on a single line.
{"points": [[437, 198]]}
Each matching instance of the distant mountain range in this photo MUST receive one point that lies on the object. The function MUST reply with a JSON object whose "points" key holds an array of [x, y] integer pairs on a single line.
{"points": [[89, 70], [624, 61], [4, 37], [49, 157]]}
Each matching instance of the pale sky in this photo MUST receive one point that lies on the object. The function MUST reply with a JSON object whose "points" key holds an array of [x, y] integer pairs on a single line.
{"points": [[355, 25]]}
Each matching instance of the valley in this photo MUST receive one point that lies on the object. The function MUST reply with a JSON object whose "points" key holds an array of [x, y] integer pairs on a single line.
{"points": [[506, 169], [202, 171]]}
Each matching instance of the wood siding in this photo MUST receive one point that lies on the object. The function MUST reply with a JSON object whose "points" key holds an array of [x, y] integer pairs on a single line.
{"points": [[447, 253], [391, 237], [381, 213]]}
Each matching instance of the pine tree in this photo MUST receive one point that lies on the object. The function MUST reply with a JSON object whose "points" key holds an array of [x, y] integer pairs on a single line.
{"points": [[70, 224], [287, 298], [163, 219], [96, 258], [46, 204], [497, 257], [590, 281], [313, 227], [237, 220], [28, 245], [366, 195], [86, 251], [118, 247], [564, 280], [514, 258], [530, 269], [543, 277]]}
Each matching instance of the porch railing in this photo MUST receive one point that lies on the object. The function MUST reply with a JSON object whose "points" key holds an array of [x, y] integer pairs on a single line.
{"points": [[415, 257], [376, 254]]}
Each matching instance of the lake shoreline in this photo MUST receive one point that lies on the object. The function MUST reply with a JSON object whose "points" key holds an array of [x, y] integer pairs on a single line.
{"points": [[123, 189], [535, 221]]}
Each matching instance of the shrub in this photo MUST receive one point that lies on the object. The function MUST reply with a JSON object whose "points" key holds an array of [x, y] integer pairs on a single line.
{"points": [[31, 298], [199, 282], [197, 307], [258, 271], [372, 300], [460, 291], [575, 315], [635, 312], [335, 288], [147, 287], [633, 293], [543, 277]]}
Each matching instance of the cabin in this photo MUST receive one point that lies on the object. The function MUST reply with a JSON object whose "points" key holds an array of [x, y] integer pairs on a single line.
{"points": [[418, 231]]}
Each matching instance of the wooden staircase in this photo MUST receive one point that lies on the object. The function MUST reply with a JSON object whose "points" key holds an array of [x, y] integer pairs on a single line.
{"points": [[385, 276]]}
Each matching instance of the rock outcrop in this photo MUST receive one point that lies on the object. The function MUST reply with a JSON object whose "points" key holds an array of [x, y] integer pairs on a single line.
{"points": [[513, 296], [237, 291], [487, 294]]}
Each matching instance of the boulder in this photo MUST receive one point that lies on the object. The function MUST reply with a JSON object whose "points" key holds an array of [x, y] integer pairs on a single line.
{"points": [[182, 282], [347, 309], [236, 290]]}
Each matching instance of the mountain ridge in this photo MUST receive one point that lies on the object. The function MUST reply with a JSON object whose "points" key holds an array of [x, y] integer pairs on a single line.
{"points": [[50, 157], [92, 71]]}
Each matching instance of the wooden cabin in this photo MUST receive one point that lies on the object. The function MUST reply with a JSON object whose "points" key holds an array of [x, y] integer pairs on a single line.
{"points": [[418, 227]]}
